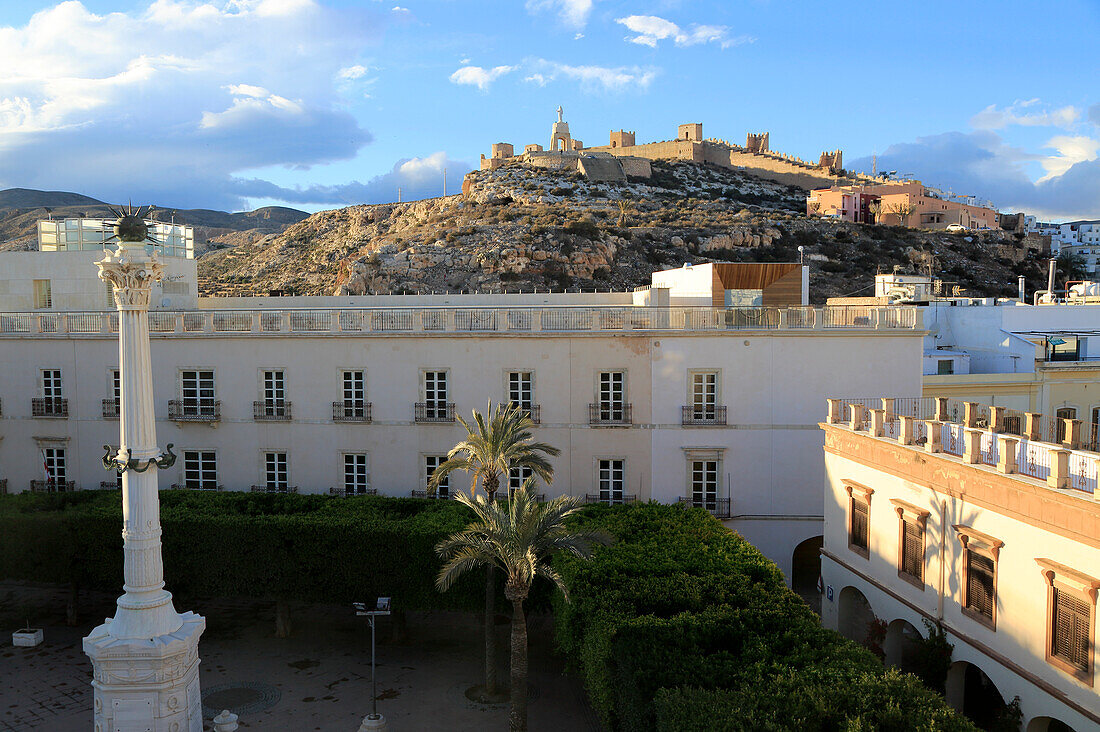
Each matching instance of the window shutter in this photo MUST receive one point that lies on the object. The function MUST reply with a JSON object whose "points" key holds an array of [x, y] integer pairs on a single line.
{"points": [[979, 584], [1070, 639]]}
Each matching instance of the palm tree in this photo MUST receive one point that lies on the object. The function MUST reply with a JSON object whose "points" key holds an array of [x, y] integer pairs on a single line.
{"points": [[490, 450], [518, 538]]}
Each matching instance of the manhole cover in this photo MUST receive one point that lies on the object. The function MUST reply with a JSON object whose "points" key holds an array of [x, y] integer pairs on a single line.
{"points": [[241, 698]]}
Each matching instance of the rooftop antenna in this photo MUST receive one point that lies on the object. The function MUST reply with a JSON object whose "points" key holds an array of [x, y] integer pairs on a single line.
{"points": [[49, 213], [399, 194], [444, 182]]}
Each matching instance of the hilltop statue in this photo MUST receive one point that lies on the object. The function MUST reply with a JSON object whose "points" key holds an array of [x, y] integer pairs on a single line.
{"points": [[559, 113]]}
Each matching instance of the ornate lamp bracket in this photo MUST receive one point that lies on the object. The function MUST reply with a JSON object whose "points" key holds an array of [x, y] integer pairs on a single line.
{"points": [[121, 464]]}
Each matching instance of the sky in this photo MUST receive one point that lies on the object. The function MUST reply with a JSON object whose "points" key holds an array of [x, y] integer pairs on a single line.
{"points": [[316, 104]]}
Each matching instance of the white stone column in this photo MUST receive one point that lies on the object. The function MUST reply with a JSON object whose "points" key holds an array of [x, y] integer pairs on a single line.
{"points": [[145, 660]]}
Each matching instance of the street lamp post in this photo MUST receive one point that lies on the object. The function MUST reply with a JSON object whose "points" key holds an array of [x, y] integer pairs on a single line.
{"points": [[373, 721], [145, 660]]}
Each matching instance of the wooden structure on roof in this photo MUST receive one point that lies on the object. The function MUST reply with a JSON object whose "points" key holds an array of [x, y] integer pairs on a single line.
{"points": [[779, 282]]}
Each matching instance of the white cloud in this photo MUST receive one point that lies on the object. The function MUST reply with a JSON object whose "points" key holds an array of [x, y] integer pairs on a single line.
{"points": [[168, 102], [1025, 113], [1071, 150], [350, 73], [399, 9], [600, 78], [572, 13], [651, 29], [478, 76]]}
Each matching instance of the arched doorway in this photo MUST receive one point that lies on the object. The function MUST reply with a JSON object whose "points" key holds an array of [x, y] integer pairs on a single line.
{"points": [[855, 616], [1048, 724], [974, 694], [805, 571], [901, 645]]}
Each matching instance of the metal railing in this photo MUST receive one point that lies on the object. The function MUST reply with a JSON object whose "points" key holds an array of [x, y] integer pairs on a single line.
{"points": [[953, 440], [534, 411], [697, 414], [194, 410], [194, 487], [53, 486], [50, 407], [434, 412], [597, 498], [442, 494], [271, 410], [348, 492], [273, 489], [351, 411], [468, 320], [719, 507], [609, 413], [110, 408]]}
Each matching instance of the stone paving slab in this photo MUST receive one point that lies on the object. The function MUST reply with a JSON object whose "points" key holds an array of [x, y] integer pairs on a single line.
{"points": [[322, 672]]}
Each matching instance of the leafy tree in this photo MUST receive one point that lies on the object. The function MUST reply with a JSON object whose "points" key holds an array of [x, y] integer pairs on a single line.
{"points": [[518, 538], [493, 447]]}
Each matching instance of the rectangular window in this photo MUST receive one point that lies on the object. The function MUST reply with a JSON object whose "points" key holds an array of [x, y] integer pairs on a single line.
{"points": [[612, 396], [1060, 426], [431, 462], [43, 297], [356, 474], [1070, 630], [275, 471], [197, 391], [611, 479], [355, 392], [704, 484], [435, 394], [858, 533], [51, 385], [116, 391], [704, 395], [200, 470], [274, 394], [54, 465], [520, 390], [518, 476], [981, 595], [912, 549], [945, 366]]}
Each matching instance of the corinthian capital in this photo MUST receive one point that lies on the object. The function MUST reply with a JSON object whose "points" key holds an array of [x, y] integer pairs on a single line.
{"points": [[132, 272]]}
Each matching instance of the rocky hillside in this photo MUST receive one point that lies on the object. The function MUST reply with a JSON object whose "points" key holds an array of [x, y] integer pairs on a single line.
{"points": [[20, 208], [519, 227]]}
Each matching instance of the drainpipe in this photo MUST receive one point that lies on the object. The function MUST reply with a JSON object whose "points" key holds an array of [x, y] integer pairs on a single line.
{"points": [[943, 558]]}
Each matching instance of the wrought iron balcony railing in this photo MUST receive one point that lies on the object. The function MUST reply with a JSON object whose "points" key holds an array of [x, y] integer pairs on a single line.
{"points": [[351, 411], [703, 415], [108, 485], [273, 489], [55, 407], [534, 411], [111, 408], [194, 410], [197, 487], [347, 492], [271, 410], [719, 507], [435, 412], [597, 498], [53, 486], [611, 413]]}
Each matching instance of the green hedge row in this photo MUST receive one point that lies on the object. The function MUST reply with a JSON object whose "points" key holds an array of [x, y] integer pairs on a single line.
{"points": [[683, 625], [287, 547]]}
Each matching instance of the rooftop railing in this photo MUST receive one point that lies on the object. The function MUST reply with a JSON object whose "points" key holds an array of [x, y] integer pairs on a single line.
{"points": [[1061, 451], [360, 321]]}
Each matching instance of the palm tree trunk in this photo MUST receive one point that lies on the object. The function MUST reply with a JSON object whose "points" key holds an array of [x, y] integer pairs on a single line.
{"points": [[517, 720], [490, 631]]}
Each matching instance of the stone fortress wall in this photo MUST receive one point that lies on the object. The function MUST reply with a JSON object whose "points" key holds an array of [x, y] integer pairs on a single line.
{"points": [[755, 156]]}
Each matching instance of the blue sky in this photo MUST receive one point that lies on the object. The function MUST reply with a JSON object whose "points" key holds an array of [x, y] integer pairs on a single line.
{"points": [[319, 103]]}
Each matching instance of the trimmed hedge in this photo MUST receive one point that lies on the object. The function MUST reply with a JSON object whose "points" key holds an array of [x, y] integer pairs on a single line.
{"points": [[683, 625], [289, 547]]}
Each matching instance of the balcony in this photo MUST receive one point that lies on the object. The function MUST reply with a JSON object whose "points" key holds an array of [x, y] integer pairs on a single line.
{"points": [[196, 487], [271, 489], [609, 413], [435, 412], [194, 410], [534, 411], [595, 498], [719, 507], [52, 407], [351, 411], [271, 410], [53, 486], [108, 485], [692, 415], [110, 408], [442, 494], [345, 493]]}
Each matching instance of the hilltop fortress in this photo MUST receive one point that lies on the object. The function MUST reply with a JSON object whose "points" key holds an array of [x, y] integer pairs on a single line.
{"points": [[623, 157]]}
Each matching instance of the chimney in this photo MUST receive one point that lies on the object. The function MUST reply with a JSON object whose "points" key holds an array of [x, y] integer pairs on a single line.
{"points": [[1021, 284], [1050, 278]]}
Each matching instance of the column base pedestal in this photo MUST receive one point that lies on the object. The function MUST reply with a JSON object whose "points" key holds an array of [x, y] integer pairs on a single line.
{"points": [[147, 684]]}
